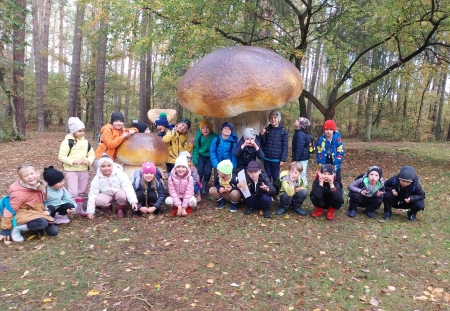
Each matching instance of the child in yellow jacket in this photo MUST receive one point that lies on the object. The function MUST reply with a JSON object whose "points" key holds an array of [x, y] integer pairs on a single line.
{"points": [[292, 189], [177, 142]]}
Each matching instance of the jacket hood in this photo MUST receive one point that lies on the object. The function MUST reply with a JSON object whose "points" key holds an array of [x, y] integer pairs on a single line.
{"points": [[116, 168], [233, 137], [407, 173]]}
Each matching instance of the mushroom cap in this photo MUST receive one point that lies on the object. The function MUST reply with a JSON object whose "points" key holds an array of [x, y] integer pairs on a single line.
{"points": [[233, 80], [153, 114], [143, 147]]}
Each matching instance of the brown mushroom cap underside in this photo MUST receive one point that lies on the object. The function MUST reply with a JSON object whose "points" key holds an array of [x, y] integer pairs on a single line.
{"points": [[143, 147], [233, 80]]}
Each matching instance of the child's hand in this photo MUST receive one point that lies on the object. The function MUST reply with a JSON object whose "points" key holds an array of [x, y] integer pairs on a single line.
{"points": [[394, 193], [222, 190], [47, 213], [183, 212], [263, 130], [281, 163], [90, 216], [86, 162], [297, 189], [132, 132], [78, 161], [151, 209], [321, 179], [180, 211], [239, 186], [190, 140], [364, 192], [134, 206], [331, 181], [70, 211], [264, 187], [407, 200], [125, 135], [380, 193]]}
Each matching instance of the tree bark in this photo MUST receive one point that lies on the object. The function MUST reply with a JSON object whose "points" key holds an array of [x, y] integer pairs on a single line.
{"points": [[443, 82], [142, 75], [100, 81], [38, 67], [369, 116], [61, 67]]}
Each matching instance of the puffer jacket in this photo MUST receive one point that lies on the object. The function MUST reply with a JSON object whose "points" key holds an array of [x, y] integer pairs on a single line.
{"points": [[180, 189], [255, 188], [275, 143], [79, 151], [286, 185], [202, 145], [319, 192], [158, 188], [414, 191], [176, 143], [300, 146], [27, 202], [360, 184], [248, 154], [111, 139], [336, 148], [110, 185], [224, 150]]}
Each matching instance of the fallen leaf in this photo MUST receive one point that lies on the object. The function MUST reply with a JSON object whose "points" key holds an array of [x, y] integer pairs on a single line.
{"points": [[62, 253], [391, 287], [30, 237], [374, 302], [126, 289], [218, 293], [291, 308], [46, 300], [93, 292], [421, 298], [38, 247], [157, 286], [322, 253], [263, 225], [281, 293], [25, 274], [234, 284], [210, 281], [210, 265], [115, 230], [25, 291], [447, 297], [147, 252], [123, 240], [187, 286]]}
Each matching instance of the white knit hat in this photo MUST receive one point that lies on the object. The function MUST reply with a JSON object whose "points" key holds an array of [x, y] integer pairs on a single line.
{"points": [[75, 125], [181, 160]]}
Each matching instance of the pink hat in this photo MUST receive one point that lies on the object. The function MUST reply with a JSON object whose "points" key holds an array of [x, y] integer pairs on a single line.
{"points": [[148, 168]]}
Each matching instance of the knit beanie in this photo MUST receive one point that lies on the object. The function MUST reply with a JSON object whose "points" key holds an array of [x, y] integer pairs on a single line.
{"points": [[205, 123], [104, 158], [75, 125], [327, 168], [329, 125], [253, 166], [117, 116], [226, 124], [186, 154], [141, 126], [181, 160], [249, 133], [304, 123], [225, 167], [376, 169], [277, 113], [148, 168], [162, 120], [52, 176], [407, 173], [187, 121]]}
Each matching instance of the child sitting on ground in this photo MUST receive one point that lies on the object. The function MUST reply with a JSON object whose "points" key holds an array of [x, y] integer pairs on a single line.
{"points": [[177, 141], [110, 184], [76, 154], [194, 174], [200, 155], [366, 191], [223, 145], [27, 201], [59, 201], [405, 192], [326, 193], [181, 189], [292, 189], [248, 149], [261, 190], [224, 189], [149, 190]]}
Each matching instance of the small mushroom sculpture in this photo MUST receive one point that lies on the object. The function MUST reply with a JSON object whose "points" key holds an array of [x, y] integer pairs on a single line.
{"points": [[239, 84], [153, 114], [140, 148]]}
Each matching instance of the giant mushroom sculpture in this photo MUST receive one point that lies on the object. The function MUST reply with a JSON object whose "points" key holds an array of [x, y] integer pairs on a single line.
{"points": [[239, 84]]}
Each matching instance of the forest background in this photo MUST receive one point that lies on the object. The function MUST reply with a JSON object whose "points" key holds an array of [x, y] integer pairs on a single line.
{"points": [[379, 68]]}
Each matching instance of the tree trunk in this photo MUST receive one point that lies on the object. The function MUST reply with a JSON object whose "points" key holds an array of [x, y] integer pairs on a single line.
{"points": [[148, 87], [315, 71], [61, 68], [100, 82], [443, 82], [369, 116], [128, 87], [74, 84], [142, 75], [38, 67]]}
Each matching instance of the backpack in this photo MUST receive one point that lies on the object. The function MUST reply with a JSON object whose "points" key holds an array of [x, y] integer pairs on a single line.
{"points": [[311, 143], [6, 204], [71, 142]]}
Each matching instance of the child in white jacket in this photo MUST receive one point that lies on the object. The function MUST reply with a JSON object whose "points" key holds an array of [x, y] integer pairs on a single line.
{"points": [[111, 184]]}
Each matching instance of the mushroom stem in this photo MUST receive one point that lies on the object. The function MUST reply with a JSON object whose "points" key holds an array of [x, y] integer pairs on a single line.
{"points": [[254, 119]]}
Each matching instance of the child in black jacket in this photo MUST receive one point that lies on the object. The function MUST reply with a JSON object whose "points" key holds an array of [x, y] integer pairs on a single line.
{"points": [[326, 193], [300, 144], [404, 191]]}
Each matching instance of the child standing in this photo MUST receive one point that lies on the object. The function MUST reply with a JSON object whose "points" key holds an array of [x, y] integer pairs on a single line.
{"points": [[113, 134], [300, 145], [26, 199], [326, 193], [110, 184], [181, 189], [248, 149], [292, 190], [223, 145], [59, 200], [149, 189], [177, 141], [274, 140], [224, 189], [162, 124], [261, 190], [76, 154], [366, 191], [330, 149], [200, 155], [405, 192]]}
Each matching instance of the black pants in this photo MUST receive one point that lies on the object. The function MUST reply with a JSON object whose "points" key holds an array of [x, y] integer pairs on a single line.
{"points": [[391, 201], [152, 197], [42, 223], [61, 210], [371, 203], [326, 202]]}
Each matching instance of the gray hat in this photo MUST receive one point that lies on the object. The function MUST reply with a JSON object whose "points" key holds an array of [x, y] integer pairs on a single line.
{"points": [[277, 113], [407, 173], [249, 133]]}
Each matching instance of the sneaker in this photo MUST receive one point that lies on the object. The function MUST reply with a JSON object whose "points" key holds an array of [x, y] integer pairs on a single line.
{"points": [[300, 211], [60, 219], [370, 215], [351, 213], [281, 211], [221, 204], [411, 216], [233, 208], [387, 215], [266, 214], [248, 211]]}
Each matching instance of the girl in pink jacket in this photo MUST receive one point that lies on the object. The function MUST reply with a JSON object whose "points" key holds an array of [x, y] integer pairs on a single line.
{"points": [[181, 188]]}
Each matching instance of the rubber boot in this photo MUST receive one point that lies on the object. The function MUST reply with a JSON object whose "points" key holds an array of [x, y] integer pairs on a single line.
{"points": [[296, 208], [79, 210], [387, 212], [120, 213], [16, 235], [318, 212], [283, 209], [412, 216], [330, 213], [369, 212], [352, 209]]}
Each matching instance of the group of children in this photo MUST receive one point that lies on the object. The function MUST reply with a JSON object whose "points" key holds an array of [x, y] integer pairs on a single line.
{"points": [[40, 204]]}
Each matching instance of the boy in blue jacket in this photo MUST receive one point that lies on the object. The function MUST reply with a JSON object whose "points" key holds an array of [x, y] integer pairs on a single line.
{"points": [[223, 145], [330, 149]]}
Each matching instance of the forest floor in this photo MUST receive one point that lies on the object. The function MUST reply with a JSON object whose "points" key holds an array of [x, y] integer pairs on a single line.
{"points": [[217, 260]]}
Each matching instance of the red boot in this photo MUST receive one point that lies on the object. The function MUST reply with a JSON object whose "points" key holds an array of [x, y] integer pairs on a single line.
{"points": [[330, 213], [318, 212], [174, 211], [120, 211]]}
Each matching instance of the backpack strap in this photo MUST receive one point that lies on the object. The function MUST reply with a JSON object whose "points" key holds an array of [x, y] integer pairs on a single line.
{"points": [[71, 142]]}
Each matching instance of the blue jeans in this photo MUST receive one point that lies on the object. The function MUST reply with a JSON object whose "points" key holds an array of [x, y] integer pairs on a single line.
{"points": [[196, 187], [272, 169], [305, 166], [42, 223], [204, 168]]}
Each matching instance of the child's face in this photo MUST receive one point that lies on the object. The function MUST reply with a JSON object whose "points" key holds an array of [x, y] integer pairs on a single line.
{"points": [[161, 128], [205, 130], [181, 170], [374, 177], [29, 175], [327, 176], [79, 134], [223, 176], [182, 127], [297, 124], [329, 133], [250, 141], [294, 174], [404, 183], [58, 185], [226, 131], [254, 175], [118, 124], [273, 120], [148, 177], [106, 169]]}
